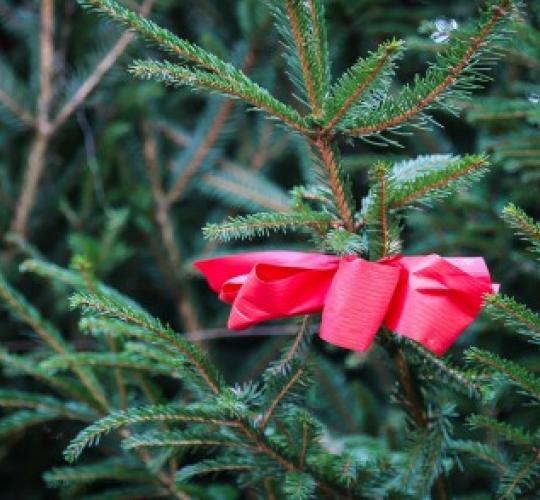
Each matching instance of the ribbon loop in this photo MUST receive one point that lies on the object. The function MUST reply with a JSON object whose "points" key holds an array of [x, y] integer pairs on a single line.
{"points": [[430, 299], [437, 299]]}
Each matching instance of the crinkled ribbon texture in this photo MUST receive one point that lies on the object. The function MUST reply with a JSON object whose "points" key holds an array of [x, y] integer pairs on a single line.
{"points": [[428, 298]]}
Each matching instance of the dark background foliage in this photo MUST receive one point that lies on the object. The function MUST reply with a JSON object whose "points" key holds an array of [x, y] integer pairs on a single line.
{"points": [[95, 196]]}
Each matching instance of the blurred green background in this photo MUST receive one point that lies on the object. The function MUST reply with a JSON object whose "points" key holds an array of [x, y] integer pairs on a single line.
{"points": [[96, 195]]}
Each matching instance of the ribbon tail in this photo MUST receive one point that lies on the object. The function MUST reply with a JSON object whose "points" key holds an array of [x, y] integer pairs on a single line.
{"points": [[357, 302]]}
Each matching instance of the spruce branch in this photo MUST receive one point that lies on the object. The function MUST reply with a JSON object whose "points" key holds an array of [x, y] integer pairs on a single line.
{"points": [[63, 386], [39, 402], [213, 466], [104, 65], [515, 315], [246, 90], [240, 186], [43, 123], [514, 435], [509, 370], [292, 379], [21, 420], [262, 224], [124, 361], [460, 380], [520, 477], [183, 439], [108, 469], [196, 161], [381, 171], [164, 38], [27, 313], [300, 486], [154, 413], [482, 451], [342, 242], [100, 305], [415, 404], [524, 225], [297, 346], [358, 80], [300, 18], [50, 336], [453, 73], [210, 136], [438, 182]]}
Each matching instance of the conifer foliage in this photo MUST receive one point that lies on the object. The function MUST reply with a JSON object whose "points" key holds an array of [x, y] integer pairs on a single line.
{"points": [[518, 468], [262, 433]]}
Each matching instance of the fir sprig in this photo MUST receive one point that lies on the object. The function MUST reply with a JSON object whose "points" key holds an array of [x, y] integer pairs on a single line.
{"points": [[525, 226], [163, 38], [359, 79], [250, 92], [515, 315], [265, 223], [108, 307], [453, 75], [508, 370], [155, 413], [437, 183]]}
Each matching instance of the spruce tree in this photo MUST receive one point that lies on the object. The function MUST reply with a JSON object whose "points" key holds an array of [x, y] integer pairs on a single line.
{"points": [[262, 432]]}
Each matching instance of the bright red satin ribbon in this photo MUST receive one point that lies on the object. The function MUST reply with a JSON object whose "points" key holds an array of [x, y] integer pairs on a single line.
{"points": [[428, 298]]}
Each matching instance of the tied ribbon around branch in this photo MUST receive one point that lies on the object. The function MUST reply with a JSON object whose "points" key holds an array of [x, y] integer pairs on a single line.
{"points": [[427, 298]]}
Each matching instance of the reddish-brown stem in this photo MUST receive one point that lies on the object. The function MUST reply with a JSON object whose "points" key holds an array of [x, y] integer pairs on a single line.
{"points": [[383, 215], [179, 187], [476, 43], [302, 56], [166, 230], [401, 202], [323, 145], [357, 93]]}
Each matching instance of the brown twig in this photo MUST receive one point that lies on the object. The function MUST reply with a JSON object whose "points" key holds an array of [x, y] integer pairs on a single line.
{"points": [[44, 126], [166, 230], [179, 187], [38, 149], [101, 69]]}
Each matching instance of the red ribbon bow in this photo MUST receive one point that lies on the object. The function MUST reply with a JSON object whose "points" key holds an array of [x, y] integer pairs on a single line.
{"points": [[428, 298]]}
